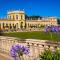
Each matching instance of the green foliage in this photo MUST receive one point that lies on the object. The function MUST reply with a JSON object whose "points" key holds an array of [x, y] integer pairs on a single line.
{"points": [[34, 35], [58, 20], [1, 32], [49, 55], [56, 55]]}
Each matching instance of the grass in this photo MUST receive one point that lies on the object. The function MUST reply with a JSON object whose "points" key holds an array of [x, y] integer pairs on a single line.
{"points": [[34, 35]]}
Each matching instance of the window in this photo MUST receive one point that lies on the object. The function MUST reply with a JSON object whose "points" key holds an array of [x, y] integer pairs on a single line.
{"points": [[17, 17], [13, 17], [21, 16], [10, 17], [28, 24]]}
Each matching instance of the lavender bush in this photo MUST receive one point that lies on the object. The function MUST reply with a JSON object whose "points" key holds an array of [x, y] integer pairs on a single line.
{"points": [[17, 52]]}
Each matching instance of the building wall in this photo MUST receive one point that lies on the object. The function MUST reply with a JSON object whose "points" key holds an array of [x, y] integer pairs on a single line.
{"points": [[18, 18], [8, 22], [52, 21]]}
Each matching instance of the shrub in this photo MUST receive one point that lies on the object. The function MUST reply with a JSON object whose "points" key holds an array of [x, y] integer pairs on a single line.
{"points": [[50, 55], [1, 32]]}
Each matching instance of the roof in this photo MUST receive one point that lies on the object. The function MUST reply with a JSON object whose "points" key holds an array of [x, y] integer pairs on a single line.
{"points": [[33, 17], [15, 12]]}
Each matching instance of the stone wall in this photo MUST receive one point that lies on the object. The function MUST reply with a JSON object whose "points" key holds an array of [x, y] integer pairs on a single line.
{"points": [[35, 46]]}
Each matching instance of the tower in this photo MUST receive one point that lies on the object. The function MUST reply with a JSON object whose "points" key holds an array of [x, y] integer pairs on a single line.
{"points": [[16, 15]]}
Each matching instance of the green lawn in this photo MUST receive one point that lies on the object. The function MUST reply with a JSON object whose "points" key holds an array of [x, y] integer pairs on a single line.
{"points": [[34, 35]]}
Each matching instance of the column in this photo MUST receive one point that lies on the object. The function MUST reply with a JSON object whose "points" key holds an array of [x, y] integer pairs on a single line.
{"points": [[31, 54], [37, 52]]}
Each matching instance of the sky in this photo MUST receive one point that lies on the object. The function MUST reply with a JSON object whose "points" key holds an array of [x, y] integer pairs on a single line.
{"points": [[31, 7]]}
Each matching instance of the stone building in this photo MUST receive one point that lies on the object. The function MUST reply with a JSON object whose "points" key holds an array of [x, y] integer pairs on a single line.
{"points": [[17, 20]]}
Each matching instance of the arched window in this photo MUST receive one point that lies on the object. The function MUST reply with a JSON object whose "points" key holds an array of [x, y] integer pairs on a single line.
{"points": [[17, 25], [10, 26], [3, 25], [6, 25], [13, 24], [21, 25]]}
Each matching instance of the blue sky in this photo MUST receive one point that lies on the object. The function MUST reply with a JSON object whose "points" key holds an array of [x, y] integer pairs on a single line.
{"points": [[31, 7]]}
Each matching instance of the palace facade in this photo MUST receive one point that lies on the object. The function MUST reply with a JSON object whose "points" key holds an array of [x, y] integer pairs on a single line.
{"points": [[18, 20]]}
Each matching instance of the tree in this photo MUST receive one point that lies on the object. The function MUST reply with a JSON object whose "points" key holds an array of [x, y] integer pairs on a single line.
{"points": [[26, 16], [58, 20]]}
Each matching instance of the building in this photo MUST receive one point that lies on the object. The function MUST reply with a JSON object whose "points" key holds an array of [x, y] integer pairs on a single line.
{"points": [[18, 20]]}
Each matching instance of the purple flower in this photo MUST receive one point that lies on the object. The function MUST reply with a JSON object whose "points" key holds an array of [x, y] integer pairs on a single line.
{"points": [[54, 29], [18, 50], [46, 29]]}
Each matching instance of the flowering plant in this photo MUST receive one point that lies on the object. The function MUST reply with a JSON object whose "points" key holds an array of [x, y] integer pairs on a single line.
{"points": [[17, 52], [50, 29]]}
